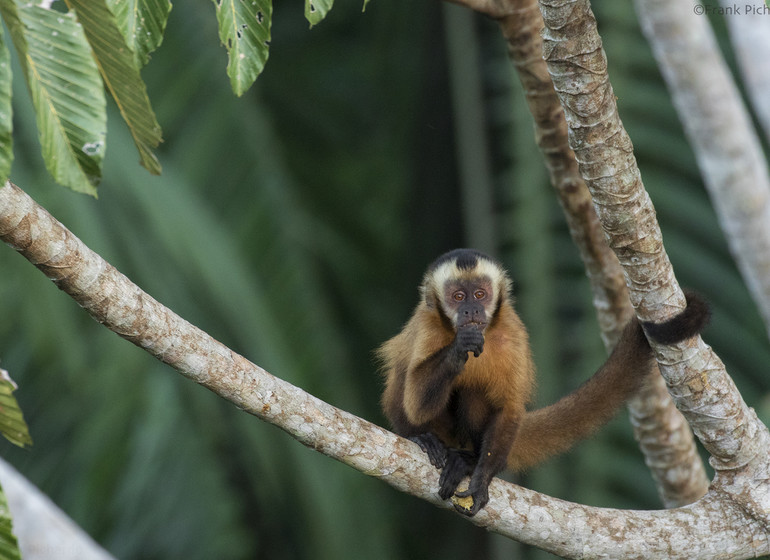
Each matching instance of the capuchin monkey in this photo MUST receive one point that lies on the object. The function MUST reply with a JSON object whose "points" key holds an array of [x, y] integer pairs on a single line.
{"points": [[459, 376]]}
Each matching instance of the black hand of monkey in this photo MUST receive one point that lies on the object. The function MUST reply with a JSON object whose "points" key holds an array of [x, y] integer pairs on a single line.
{"points": [[479, 492], [469, 339], [459, 464]]}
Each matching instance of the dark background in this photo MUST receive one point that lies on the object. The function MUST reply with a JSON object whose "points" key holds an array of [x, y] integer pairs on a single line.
{"points": [[293, 224]]}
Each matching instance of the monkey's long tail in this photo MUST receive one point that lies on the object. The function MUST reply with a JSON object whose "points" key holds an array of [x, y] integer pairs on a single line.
{"points": [[555, 428]]}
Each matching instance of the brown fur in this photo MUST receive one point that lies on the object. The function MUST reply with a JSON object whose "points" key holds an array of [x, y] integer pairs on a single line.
{"points": [[478, 405], [555, 428], [502, 377]]}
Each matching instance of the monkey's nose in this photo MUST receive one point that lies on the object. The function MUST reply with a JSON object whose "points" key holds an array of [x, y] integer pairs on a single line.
{"points": [[472, 315]]}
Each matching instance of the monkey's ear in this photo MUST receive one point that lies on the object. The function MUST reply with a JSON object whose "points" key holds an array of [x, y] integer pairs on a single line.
{"points": [[429, 297], [506, 287]]}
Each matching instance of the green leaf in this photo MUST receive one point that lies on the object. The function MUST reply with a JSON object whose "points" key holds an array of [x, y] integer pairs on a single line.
{"points": [[66, 90], [6, 113], [9, 547], [244, 29], [316, 10], [121, 75], [366, 2], [12, 424], [142, 23]]}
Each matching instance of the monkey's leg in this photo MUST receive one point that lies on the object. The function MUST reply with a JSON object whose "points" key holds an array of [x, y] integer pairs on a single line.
{"points": [[495, 446]]}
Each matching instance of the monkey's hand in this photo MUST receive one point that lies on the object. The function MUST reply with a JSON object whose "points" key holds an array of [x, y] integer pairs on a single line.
{"points": [[478, 492], [459, 464], [468, 339]]}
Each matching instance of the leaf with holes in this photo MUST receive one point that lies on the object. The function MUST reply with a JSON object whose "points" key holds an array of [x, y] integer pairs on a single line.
{"points": [[67, 92], [316, 10], [121, 75], [142, 23], [12, 424], [9, 546], [6, 113], [244, 29]]}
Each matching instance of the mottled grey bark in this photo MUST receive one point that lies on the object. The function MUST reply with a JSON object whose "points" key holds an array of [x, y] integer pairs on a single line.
{"points": [[696, 378]]}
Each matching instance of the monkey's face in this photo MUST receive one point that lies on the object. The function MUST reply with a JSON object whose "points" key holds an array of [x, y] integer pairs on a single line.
{"points": [[465, 288], [469, 303]]}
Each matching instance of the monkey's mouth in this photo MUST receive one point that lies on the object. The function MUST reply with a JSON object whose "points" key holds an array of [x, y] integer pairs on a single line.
{"points": [[473, 325]]}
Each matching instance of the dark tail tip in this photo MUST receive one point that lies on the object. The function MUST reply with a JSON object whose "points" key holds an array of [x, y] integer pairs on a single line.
{"points": [[687, 324]]}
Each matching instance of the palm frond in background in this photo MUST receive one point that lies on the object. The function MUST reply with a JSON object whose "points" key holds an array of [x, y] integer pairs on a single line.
{"points": [[293, 224]]}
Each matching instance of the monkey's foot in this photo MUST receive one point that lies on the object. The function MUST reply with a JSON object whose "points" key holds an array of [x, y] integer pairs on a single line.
{"points": [[437, 452]]}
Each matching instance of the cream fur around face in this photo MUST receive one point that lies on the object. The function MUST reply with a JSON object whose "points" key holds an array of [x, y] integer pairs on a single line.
{"points": [[436, 280]]}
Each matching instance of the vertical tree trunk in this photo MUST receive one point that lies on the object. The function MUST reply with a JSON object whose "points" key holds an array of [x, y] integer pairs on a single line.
{"points": [[696, 378], [663, 435], [719, 129], [750, 36]]}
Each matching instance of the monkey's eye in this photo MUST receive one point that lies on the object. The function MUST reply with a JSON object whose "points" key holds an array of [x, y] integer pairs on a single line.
{"points": [[479, 294], [458, 296]]}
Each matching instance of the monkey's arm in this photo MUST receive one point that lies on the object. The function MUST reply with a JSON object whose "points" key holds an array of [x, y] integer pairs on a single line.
{"points": [[428, 384], [427, 390]]}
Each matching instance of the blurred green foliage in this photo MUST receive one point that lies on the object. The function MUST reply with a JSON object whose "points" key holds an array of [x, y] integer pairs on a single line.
{"points": [[293, 224]]}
